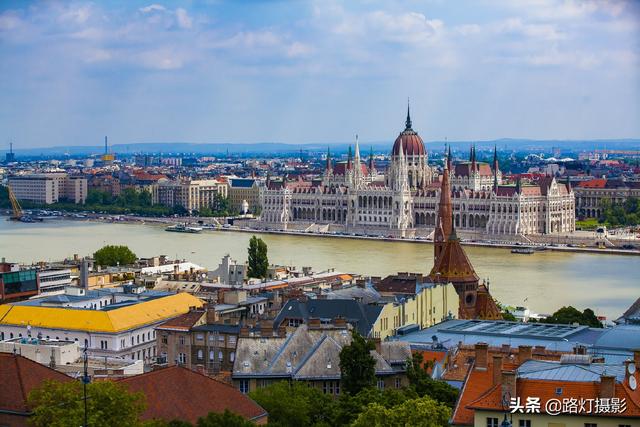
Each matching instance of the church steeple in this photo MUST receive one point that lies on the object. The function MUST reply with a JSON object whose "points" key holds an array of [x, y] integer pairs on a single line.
{"points": [[444, 221], [329, 166], [349, 159], [372, 166], [407, 123]]}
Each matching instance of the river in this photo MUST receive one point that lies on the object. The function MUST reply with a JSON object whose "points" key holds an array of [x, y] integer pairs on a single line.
{"points": [[544, 281]]}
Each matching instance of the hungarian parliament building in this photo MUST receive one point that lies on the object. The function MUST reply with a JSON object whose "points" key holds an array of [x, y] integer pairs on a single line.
{"points": [[352, 197]]}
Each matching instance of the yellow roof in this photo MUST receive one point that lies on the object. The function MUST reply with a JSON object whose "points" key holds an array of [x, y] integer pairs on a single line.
{"points": [[116, 320]]}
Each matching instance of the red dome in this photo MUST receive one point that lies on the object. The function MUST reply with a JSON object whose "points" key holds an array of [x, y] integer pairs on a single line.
{"points": [[411, 143]]}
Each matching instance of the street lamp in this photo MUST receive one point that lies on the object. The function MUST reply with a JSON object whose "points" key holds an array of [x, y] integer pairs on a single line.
{"points": [[505, 422]]}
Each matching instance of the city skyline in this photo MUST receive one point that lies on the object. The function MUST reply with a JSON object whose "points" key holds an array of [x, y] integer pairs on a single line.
{"points": [[316, 72]]}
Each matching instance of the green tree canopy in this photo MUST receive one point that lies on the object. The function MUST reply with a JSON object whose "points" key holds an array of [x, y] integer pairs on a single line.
{"points": [[109, 404], [258, 260], [422, 412], [570, 315], [422, 383], [227, 419], [112, 255], [357, 366], [293, 405]]}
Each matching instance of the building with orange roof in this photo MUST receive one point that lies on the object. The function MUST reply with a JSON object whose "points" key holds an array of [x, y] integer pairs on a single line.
{"points": [[534, 387], [590, 195]]}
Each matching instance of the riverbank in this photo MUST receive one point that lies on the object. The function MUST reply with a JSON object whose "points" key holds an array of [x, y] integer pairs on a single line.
{"points": [[544, 281], [211, 224]]}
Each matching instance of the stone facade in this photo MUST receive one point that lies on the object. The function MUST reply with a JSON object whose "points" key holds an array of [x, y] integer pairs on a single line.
{"points": [[353, 197]]}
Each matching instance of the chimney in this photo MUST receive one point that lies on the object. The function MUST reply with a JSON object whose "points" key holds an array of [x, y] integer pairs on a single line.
{"points": [[482, 355], [524, 353], [607, 386], [636, 357], [508, 381], [313, 323], [244, 332], [497, 369], [580, 349], [506, 348], [266, 329], [378, 343], [340, 322], [84, 274], [212, 316], [539, 349], [282, 331]]}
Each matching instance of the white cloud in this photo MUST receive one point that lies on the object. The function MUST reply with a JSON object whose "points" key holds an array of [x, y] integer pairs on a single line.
{"points": [[153, 8], [9, 20], [183, 18]]}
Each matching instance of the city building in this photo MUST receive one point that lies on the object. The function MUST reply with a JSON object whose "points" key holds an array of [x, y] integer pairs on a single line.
{"points": [[192, 195], [176, 393], [17, 283], [111, 322], [576, 390], [54, 280], [311, 353], [244, 195], [353, 197], [591, 194], [48, 188]]}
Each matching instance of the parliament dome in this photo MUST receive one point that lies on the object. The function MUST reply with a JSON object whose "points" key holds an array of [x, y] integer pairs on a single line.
{"points": [[409, 140]]}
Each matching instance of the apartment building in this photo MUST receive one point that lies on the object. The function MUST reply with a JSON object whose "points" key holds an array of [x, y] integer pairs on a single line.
{"points": [[48, 188], [191, 195]]}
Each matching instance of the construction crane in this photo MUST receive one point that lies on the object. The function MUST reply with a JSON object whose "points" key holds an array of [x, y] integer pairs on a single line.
{"points": [[15, 206]]}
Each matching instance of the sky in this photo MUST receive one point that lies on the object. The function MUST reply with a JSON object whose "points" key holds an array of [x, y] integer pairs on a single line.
{"points": [[317, 71]]}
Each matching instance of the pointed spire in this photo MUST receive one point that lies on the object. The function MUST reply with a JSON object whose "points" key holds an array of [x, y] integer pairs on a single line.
{"points": [[471, 153], [569, 184], [329, 166], [473, 159], [407, 123], [349, 159], [519, 185], [372, 165], [449, 158], [357, 156]]}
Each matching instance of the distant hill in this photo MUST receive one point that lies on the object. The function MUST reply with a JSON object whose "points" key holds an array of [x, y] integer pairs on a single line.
{"points": [[169, 148]]}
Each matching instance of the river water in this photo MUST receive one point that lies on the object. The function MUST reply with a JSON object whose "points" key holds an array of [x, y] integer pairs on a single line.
{"points": [[544, 281]]}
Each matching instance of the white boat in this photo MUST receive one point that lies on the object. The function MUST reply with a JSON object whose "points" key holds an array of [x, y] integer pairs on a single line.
{"points": [[183, 228]]}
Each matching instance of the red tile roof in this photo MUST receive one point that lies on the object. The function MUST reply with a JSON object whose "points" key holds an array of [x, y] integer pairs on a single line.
{"points": [[594, 183], [18, 376], [546, 390], [179, 393], [183, 322]]}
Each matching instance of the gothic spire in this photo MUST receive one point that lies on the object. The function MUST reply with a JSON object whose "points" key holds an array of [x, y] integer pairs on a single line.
{"points": [[329, 166], [372, 165], [349, 159], [408, 121], [449, 158]]}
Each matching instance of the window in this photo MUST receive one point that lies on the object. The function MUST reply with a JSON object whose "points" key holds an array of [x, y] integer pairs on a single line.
{"points": [[244, 386], [590, 425], [524, 423], [211, 355], [231, 340], [398, 383], [201, 356], [220, 355], [199, 337], [492, 422], [182, 358], [181, 339], [381, 384], [232, 357], [164, 339]]}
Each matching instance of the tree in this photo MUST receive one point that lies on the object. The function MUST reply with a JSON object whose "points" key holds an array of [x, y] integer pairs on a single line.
{"points": [[570, 315], [423, 411], [112, 255], [295, 404], [57, 404], [357, 366], [422, 383], [258, 260], [227, 419]]}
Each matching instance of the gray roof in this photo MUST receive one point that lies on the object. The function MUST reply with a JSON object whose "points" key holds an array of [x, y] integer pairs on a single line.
{"points": [[615, 344], [366, 295], [547, 370], [306, 354], [361, 316]]}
